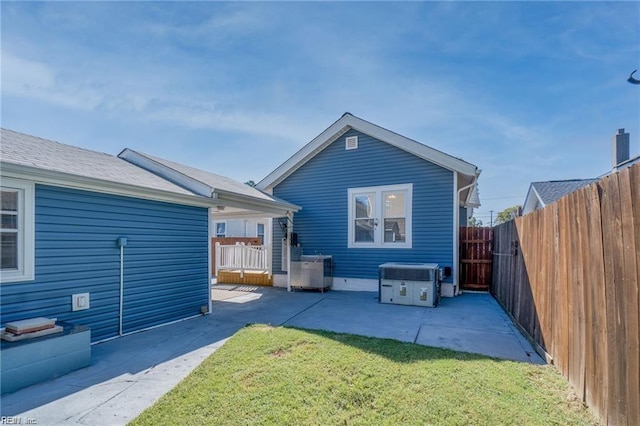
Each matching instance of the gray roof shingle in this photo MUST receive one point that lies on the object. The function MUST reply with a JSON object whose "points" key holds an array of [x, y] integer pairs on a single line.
{"points": [[552, 190], [210, 179], [26, 150]]}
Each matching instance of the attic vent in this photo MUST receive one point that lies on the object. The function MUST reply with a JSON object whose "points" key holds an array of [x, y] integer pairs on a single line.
{"points": [[351, 142]]}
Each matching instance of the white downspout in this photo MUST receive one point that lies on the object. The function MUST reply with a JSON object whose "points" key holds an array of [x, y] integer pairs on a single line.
{"points": [[121, 243], [456, 225], [289, 231]]}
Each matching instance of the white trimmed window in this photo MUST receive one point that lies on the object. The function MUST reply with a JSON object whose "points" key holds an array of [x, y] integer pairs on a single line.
{"points": [[380, 216], [17, 235], [221, 229], [260, 231]]}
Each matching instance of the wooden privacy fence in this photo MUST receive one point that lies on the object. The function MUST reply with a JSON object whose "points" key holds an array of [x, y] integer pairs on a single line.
{"points": [[569, 275], [475, 258]]}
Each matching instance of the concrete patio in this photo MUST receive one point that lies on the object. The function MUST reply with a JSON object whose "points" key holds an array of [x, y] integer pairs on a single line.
{"points": [[129, 374]]}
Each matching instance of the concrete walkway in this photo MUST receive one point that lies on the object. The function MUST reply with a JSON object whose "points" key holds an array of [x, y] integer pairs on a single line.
{"points": [[129, 374]]}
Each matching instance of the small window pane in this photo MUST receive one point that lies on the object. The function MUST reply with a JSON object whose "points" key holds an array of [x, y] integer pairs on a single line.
{"points": [[394, 230], [394, 217], [394, 204], [9, 255], [9, 221], [364, 230], [9, 200], [364, 206]]}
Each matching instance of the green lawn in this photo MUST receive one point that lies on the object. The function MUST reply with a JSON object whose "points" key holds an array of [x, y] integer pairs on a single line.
{"points": [[280, 376]]}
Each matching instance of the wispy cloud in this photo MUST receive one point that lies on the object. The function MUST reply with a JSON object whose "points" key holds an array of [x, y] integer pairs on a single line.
{"points": [[516, 88], [123, 94], [35, 80]]}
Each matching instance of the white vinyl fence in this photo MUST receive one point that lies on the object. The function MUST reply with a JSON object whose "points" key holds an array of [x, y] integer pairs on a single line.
{"points": [[241, 257]]}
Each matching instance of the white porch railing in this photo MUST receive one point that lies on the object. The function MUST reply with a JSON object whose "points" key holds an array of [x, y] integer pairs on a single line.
{"points": [[241, 257]]}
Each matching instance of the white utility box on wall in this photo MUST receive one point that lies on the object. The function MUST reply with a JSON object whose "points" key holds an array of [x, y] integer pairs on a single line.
{"points": [[80, 301]]}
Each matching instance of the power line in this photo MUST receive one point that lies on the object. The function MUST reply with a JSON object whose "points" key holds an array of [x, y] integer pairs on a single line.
{"points": [[502, 198]]}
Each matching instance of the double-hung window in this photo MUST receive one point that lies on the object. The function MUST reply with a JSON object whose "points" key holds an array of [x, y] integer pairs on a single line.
{"points": [[17, 230], [380, 216]]}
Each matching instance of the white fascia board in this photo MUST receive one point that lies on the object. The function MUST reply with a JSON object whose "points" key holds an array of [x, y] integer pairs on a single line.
{"points": [[340, 127], [471, 191], [413, 147], [254, 204], [307, 152], [542, 203], [165, 172], [245, 214], [67, 180], [531, 200]]}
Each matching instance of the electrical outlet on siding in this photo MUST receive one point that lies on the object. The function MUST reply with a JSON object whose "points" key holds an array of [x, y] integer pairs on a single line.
{"points": [[80, 302]]}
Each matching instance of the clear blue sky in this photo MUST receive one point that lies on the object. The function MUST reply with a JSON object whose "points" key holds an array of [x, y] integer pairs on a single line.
{"points": [[526, 91]]}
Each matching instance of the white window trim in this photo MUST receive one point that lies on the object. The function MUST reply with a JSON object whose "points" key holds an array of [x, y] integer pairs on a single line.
{"points": [[26, 232], [378, 236], [215, 228]]}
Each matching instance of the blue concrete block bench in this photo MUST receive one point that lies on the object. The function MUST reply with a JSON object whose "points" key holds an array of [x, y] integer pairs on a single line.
{"points": [[32, 361]]}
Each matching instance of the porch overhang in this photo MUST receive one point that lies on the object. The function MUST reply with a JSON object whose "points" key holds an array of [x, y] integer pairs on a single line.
{"points": [[230, 205]]}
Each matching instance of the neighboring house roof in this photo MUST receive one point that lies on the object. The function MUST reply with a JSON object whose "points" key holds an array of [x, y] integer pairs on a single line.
{"points": [[542, 193], [349, 121], [68, 165], [627, 163]]}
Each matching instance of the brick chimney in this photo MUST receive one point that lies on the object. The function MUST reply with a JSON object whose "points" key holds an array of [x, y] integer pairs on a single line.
{"points": [[620, 145]]}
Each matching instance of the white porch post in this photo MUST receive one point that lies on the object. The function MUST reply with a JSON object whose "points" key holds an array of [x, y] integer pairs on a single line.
{"points": [[218, 259], [456, 230], [242, 260], [289, 231], [267, 255], [210, 269]]}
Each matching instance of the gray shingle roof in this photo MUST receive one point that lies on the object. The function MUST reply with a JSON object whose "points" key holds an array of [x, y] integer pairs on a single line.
{"points": [[26, 150], [211, 179], [552, 190]]}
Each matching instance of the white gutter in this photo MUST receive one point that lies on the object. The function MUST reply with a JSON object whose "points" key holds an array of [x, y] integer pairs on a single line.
{"points": [[67, 180], [456, 223], [249, 202]]}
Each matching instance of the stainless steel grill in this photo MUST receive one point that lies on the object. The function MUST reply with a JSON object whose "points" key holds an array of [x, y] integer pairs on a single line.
{"points": [[312, 272]]}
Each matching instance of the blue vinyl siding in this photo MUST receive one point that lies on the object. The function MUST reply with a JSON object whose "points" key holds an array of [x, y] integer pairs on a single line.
{"points": [[320, 187], [165, 261]]}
